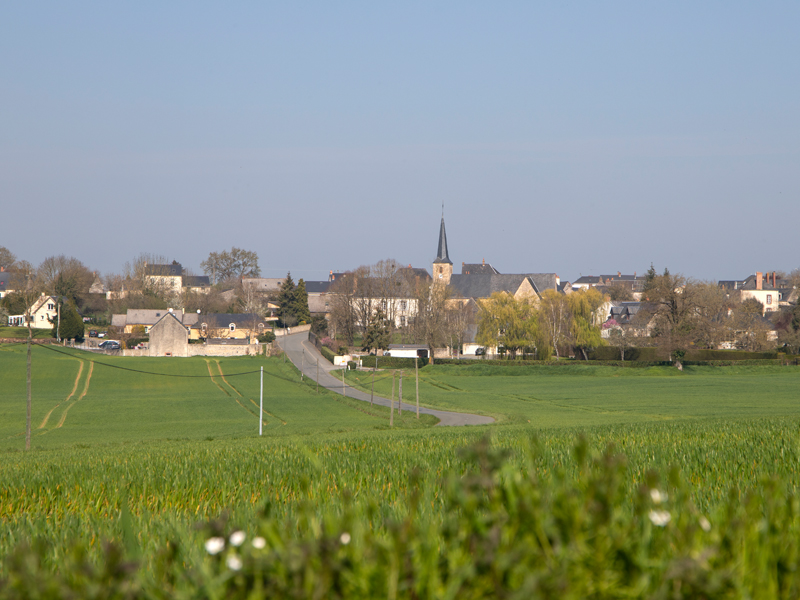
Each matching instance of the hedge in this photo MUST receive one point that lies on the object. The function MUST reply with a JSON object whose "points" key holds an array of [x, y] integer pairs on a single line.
{"points": [[390, 362], [327, 353], [657, 355]]}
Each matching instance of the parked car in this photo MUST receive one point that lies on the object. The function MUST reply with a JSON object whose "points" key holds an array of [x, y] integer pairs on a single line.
{"points": [[480, 351], [109, 345], [93, 333], [101, 334]]}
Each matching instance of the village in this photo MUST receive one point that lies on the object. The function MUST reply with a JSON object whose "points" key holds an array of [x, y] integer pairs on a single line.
{"points": [[162, 309]]}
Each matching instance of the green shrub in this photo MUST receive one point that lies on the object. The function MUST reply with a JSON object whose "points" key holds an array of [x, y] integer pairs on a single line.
{"points": [[134, 341], [392, 362], [266, 338], [327, 353]]}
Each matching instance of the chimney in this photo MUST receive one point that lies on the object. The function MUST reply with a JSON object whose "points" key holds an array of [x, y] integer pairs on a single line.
{"points": [[619, 273], [484, 261], [2, 269], [774, 280], [759, 280]]}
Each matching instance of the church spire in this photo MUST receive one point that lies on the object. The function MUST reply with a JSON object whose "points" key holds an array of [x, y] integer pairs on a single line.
{"points": [[442, 255]]}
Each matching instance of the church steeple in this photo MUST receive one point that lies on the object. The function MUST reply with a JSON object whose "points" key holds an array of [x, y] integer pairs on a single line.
{"points": [[442, 265], [442, 255]]}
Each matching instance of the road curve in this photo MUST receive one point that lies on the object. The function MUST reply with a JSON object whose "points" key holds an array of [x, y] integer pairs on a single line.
{"points": [[305, 356]]}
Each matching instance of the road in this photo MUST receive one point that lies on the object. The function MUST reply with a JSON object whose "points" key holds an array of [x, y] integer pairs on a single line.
{"points": [[305, 356]]}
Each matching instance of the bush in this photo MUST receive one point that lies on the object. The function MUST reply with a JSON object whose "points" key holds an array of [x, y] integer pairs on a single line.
{"points": [[327, 353], [266, 338], [135, 341], [392, 362], [605, 353]]}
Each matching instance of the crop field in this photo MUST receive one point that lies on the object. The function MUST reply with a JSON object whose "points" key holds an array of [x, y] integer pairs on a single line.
{"points": [[586, 395], [84, 398], [143, 460]]}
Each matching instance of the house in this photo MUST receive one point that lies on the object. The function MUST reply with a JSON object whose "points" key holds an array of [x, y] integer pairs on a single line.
{"points": [[146, 318], [633, 283], [318, 298], [243, 326], [764, 289], [171, 279], [44, 312], [169, 337]]}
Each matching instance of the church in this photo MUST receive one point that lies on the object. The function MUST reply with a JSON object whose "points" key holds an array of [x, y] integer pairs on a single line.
{"points": [[481, 280]]}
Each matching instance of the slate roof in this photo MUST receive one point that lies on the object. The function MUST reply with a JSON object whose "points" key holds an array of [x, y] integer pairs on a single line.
{"points": [[5, 281], [414, 272], [544, 281], [173, 270], [483, 286], [478, 269], [317, 287], [442, 255], [196, 281]]}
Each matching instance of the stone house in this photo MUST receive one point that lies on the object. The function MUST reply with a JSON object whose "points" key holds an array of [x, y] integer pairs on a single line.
{"points": [[169, 337]]}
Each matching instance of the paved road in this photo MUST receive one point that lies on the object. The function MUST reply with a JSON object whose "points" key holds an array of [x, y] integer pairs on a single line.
{"points": [[294, 346]]}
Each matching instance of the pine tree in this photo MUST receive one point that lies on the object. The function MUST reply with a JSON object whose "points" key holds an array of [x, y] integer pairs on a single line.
{"points": [[378, 333], [71, 323], [300, 304], [286, 301]]}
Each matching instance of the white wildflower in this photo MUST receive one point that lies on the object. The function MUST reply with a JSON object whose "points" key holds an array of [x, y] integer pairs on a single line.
{"points": [[660, 518], [705, 525], [215, 545], [237, 538], [234, 563], [657, 497], [259, 542], [345, 538]]}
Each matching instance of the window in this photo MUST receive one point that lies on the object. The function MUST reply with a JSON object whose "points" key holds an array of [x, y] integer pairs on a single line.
{"points": [[403, 305], [232, 327], [402, 321], [51, 306], [769, 298], [383, 305], [261, 326]]}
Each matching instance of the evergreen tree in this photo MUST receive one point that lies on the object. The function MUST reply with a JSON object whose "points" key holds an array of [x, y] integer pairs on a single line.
{"points": [[300, 309], [650, 278], [378, 333], [286, 301], [71, 323]]}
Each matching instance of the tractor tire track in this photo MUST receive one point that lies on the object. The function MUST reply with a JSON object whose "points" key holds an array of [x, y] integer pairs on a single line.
{"points": [[71, 394], [83, 393]]}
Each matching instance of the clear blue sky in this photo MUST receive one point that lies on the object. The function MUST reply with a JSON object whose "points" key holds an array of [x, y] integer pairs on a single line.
{"points": [[570, 137]]}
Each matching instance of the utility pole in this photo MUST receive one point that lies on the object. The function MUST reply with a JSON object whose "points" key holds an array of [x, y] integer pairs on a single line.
{"points": [[416, 372], [261, 404], [28, 417], [58, 327], [400, 397], [372, 394], [391, 404], [302, 364], [344, 390], [318, 376]]}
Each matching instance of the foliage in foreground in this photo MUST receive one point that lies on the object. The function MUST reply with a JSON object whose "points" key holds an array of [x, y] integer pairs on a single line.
{"points": [[505, 532]]}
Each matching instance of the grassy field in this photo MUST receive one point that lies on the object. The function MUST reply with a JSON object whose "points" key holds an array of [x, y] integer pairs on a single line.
{"points": [[82, 398], [143, 458], [586, 395], [22, 333]]}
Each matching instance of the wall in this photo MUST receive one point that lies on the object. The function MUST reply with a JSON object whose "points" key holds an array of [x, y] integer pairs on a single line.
{"points": [[279, 331]]}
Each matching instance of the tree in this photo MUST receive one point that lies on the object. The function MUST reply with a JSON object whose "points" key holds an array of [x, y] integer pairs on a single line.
{"points": [[65, 276], [618, 292], [300, 304], [585, 309], [649, 278], [286, 301], [3, 316], [555, 318], [231, 264], [378, 333], [621, 338], [508, 322], [7, 258], [71, 326], [429, 324], [673, 302]]}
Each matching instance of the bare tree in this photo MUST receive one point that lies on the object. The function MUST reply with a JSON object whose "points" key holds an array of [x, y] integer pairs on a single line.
{"points": [[7, 258], [555, 318], [231, 264]]}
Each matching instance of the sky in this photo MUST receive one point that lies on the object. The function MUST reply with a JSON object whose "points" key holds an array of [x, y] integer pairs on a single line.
{"points": [[573, 137]]}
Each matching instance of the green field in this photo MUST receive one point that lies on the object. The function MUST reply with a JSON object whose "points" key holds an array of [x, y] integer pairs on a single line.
{"points": [[142, 459], [586, 395]]}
